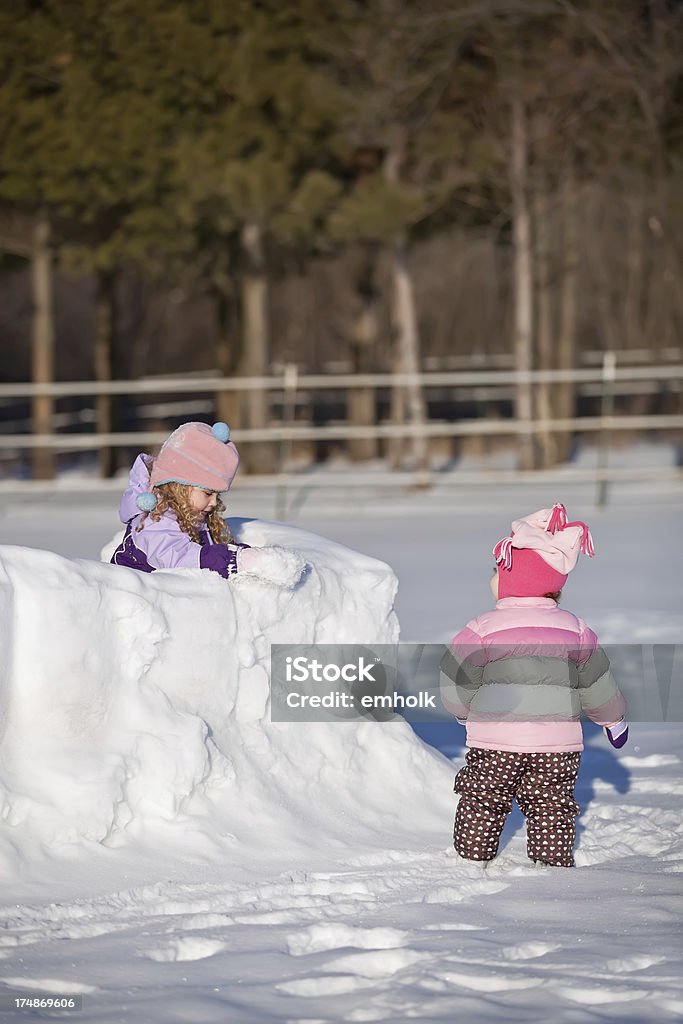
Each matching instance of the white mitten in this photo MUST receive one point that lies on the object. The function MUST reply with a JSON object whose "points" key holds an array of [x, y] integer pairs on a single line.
{"points": [[271, 565]]}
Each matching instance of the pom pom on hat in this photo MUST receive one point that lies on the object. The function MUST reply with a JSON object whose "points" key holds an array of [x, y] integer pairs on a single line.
{"points": [[146, 502], [221, 431]]}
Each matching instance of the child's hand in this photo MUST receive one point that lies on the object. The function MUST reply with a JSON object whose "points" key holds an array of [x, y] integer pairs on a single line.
{"points": [[617, 734], [271, 565]]}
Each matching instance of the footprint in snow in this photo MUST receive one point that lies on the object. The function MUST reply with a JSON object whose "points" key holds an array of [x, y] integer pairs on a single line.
{"points": [[492, 981], [595, 996], [190, 947], [650, 761], [58, 986], [455, 926], [626, 964], [529, 950], [324, 937], [465, 891], [353, 972], [334, 985], [380, 963]]}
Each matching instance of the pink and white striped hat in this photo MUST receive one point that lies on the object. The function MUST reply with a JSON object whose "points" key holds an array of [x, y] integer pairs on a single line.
{"points": [[540, 552]]}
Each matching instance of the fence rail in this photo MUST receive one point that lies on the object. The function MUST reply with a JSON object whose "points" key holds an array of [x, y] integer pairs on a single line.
{"points": [[345, 431], [342, 381], [293, 390]]}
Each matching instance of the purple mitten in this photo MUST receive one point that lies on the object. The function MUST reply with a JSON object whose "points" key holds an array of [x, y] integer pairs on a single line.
{"points": [[617, 734]]}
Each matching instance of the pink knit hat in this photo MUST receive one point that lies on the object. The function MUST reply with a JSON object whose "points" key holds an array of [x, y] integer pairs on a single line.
{"points": [[540, 552], [194, 454]]}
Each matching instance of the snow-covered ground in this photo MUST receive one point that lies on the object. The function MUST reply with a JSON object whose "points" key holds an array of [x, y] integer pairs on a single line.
{"points": [[173, 855]]}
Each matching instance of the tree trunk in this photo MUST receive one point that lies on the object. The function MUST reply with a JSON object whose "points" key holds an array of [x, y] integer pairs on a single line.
{"points": [[407, 345], [523, 276], [398, 413], [260, 455], [633, 293], [410, 404], [565, 392], [361, 401], [408, 358], [227, 355], [661, 281], [103, 356], [42, 347], [545, 328]]}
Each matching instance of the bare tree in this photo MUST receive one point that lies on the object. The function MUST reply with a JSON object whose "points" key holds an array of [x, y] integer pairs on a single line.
{"points": [[256, 351], [523, 332]]}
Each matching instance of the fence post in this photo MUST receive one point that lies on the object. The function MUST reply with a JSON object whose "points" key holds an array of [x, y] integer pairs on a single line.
{"points": [[42, 348], [609, 367], [289, 386]]}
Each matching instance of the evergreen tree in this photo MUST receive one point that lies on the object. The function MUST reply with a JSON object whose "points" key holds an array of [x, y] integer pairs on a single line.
{"points": [[254, 174], [83, 145], [397, 62]]}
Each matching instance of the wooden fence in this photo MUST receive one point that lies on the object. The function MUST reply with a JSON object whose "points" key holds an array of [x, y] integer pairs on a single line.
{"points": [[292, 390]]}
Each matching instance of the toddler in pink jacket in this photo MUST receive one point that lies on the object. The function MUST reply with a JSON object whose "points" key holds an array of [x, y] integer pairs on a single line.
{"points": [[521, 676]]}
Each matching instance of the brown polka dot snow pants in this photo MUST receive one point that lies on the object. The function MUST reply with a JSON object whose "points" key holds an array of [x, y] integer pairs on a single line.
{"points": [[543, 785]]}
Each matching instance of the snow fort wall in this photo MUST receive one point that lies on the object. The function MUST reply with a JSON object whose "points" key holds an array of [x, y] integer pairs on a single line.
{"points": [[135, 706]]}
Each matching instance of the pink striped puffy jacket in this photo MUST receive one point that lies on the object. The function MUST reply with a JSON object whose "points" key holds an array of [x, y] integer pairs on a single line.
{"points": [[522, 675]]}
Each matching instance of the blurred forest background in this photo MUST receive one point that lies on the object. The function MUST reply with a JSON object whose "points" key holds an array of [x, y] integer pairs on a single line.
{"points": [[227, 186]]}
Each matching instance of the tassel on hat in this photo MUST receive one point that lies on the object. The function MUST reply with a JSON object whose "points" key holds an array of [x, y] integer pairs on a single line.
{"points": [[503, 552], [558, 521], [587, 546], [558, 518]]}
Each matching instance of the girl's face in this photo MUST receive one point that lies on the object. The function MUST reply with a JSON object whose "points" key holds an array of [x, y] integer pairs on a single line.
{"points": [[203, 500], [494, 584]]}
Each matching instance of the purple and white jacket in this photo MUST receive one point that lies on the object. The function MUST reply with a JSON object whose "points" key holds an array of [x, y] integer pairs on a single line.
{"points": [[524, 673], [162, 544]]}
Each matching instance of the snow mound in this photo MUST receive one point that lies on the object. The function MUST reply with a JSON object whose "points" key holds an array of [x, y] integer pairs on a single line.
{"points": [[134, 709]]}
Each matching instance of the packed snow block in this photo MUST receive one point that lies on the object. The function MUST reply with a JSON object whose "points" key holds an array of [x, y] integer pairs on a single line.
{"points": [[136, 705], [6, 647]]}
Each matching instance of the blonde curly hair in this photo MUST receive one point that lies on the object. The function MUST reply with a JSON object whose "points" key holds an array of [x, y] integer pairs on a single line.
{"points": [[175, 498]]}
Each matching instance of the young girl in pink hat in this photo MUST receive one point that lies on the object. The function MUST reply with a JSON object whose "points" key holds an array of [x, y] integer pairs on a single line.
{"points": [[520, 676], [174, 515]]}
